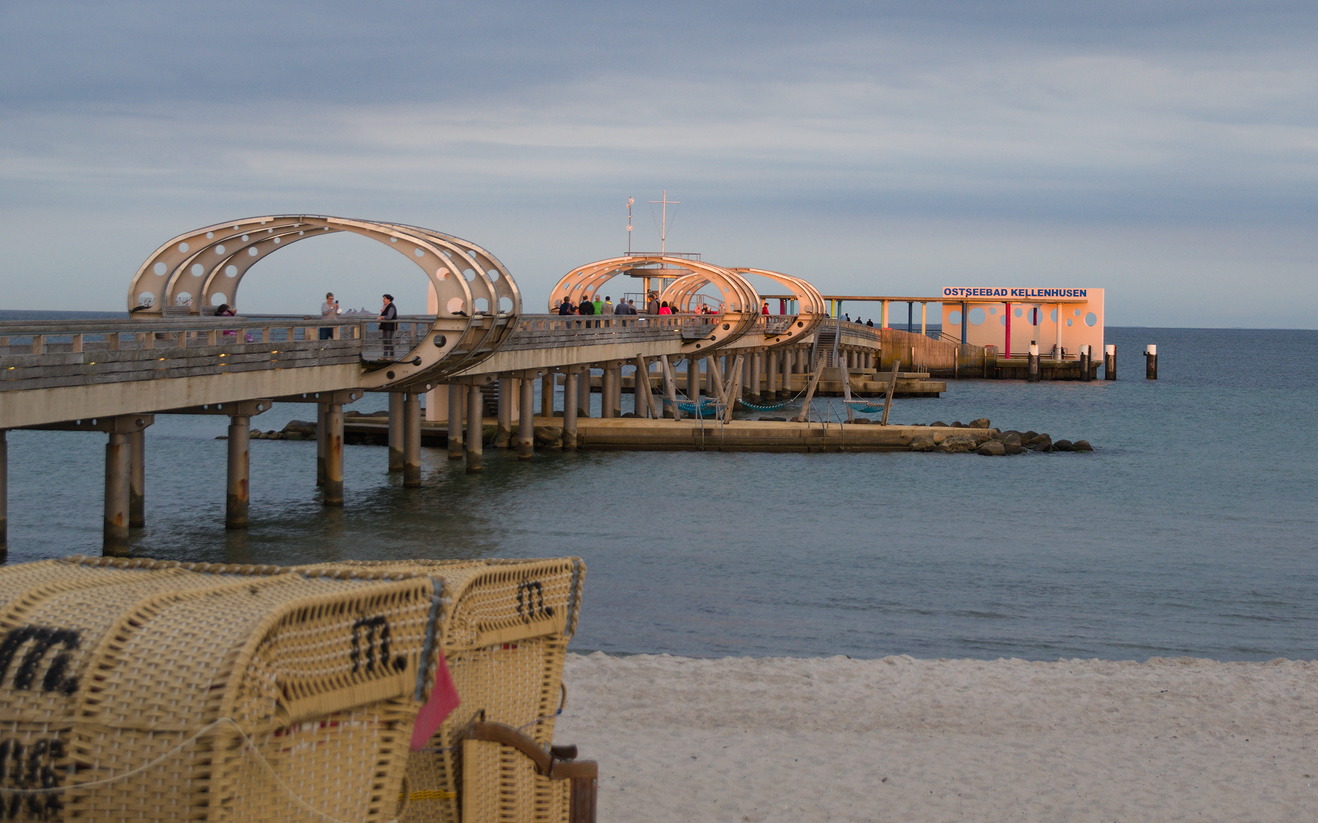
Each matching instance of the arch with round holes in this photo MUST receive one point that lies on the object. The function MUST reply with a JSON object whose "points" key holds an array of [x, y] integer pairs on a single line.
{"points": [[740, 301], [475, 299], [812, 308]]}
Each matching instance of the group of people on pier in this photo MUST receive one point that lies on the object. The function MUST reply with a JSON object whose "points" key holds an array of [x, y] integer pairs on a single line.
{"points": [[593, 306]]}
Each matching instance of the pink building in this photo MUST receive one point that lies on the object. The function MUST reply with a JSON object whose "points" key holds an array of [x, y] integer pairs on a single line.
{"points": [[1059, 320]]}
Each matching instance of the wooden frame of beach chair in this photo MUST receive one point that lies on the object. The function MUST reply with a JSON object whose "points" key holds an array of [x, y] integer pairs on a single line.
{"points": [[522, 762]]}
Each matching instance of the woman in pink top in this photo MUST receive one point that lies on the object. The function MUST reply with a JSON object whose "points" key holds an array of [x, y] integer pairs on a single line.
{"points": [[663, 308]]}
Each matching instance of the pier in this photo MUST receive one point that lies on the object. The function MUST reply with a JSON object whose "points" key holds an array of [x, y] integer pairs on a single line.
{"points": [[476, 355]]}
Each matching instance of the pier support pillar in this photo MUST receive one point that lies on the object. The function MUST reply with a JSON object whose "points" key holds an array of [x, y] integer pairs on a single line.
{"points": [[333, 433], [1110, 362], [1150, 362], [693, 383], [526, 422], [641, 388], [475, 435], [329, 439], [503, 433], [757, 376], [457, 401], [1034, 362], [137, 480], [607, 386], [583, 393], [1086, 363], [615, 394], [238, 474], [547, 395], [395, 432], [411, 440], [570, 398], [118, 464]]}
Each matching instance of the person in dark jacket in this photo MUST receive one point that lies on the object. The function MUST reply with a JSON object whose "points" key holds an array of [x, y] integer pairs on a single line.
{"points": [[388, 313]]}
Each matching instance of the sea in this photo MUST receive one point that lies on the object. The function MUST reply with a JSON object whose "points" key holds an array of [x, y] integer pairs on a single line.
{"points": [[1191, 530]]}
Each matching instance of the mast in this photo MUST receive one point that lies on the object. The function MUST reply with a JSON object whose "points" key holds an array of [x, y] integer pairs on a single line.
{"points": [[663, 224]]}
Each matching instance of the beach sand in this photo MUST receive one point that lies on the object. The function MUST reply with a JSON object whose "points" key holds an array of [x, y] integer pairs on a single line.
{"points": [[900, 739]]}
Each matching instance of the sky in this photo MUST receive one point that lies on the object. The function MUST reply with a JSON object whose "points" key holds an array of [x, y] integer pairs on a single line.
{"points": [[1166, 152]]}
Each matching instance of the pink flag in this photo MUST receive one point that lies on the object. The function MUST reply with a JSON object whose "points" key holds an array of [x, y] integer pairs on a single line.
{"points": [[443, 700]]}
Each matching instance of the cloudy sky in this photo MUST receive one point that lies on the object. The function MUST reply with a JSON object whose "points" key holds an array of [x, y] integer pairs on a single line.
{"points": [[1164, 151]]}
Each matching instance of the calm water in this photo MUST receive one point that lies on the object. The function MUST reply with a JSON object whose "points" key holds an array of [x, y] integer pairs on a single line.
{"points": [[1193, 530]]}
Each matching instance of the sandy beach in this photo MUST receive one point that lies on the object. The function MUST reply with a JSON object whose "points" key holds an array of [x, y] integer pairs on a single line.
{"points": [[901, 739]]}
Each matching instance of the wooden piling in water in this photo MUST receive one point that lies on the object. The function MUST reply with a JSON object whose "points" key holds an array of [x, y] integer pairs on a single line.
{"points": [[1150, 362], [1110, 362]]}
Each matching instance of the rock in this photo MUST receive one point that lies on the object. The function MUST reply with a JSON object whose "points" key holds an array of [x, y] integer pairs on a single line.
{"points": [[992, 448], [549, 437], [923, 443], [1063, 446], [1082, 446], [938, 424], [861, 421], [979, 423], [300, 427], [958, 444], [1037, 442]]}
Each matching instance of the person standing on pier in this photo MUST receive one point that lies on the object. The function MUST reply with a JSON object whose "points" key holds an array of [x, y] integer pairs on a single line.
{"points": [[328, 311], [586, 307], [388, 314], [566, 308]]}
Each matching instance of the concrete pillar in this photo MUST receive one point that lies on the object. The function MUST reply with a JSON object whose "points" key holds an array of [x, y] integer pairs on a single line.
{"points": [[503, 433], [547, 395], [607, 386], [583, 393], [118, 466], [457, 400], [570, 398], [1034, 362], [756, 364], [4, 495], [137, 480], [1110, 362], [789, 357], [412, 440], [475, 435], [320, 444], [237, 500], [641, 388], [693, 383], [773, 373], [670, 388], [333, 433], [395, 432], [526, 422], [1150, 362]]}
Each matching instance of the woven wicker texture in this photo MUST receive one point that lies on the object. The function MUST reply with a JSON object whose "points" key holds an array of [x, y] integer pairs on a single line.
{"points": [[152, 691], [504, 634]]}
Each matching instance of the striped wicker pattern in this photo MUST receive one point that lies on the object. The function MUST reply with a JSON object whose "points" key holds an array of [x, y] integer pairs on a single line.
{"points": [[505, 636], [141, 690]]}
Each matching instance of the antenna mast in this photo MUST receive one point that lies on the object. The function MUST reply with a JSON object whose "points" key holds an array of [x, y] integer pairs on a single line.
{"points": [[663, 225], [630, 200]]}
